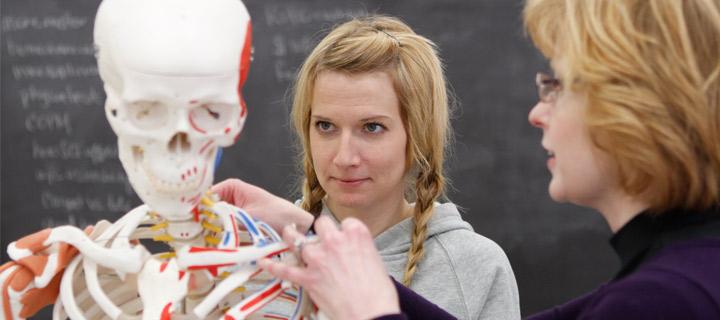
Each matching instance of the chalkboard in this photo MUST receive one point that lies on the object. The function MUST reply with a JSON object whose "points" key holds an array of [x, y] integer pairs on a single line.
{"points": [[59, 159]]}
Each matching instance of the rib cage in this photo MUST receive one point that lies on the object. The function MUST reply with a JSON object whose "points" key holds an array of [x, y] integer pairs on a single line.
{"points": [[92, 291]]}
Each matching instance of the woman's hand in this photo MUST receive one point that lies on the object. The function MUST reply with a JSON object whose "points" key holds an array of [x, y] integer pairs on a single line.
{"points": [[263, 205], [345, 275]]}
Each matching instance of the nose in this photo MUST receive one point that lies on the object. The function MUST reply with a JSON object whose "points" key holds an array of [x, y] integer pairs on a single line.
{"points": [[539, 115], [347, 151], [179, 143]]}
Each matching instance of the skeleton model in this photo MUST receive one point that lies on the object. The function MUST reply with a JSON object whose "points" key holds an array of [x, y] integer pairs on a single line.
{"points": [[173, 71]]}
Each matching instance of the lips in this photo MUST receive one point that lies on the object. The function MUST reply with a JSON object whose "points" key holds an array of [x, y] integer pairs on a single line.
{"points": [[350, 181], [551, 160]]}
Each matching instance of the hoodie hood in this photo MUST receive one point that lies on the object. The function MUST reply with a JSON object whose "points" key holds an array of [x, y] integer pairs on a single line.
{"points": [[461, 271], [397, 239]]}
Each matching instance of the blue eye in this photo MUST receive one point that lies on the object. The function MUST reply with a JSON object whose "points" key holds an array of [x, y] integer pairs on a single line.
{"points": [[323, 126], [374, 127]]}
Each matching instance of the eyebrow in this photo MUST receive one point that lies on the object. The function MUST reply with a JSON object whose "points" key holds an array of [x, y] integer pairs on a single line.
{"points": [[371, 118]]}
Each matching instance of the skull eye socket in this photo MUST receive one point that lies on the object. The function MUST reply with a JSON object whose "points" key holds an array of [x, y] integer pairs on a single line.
{"points": [[211, 117], [148, 115]]}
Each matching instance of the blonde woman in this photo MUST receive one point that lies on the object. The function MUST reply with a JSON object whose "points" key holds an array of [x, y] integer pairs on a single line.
{"points": [[631, 120], [371, 112]]}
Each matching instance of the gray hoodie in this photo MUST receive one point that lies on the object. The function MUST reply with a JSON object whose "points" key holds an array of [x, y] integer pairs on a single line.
{"points": [[463, 272]]}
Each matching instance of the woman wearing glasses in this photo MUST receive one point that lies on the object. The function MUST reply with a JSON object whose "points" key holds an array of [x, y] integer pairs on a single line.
{"points": [[631, 122]]}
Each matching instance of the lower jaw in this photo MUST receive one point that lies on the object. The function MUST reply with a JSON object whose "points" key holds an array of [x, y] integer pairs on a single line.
{"points": [[181, 189]]}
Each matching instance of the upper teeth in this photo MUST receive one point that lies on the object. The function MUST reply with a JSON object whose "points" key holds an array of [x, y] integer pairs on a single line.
{"points": [[170, 187]]}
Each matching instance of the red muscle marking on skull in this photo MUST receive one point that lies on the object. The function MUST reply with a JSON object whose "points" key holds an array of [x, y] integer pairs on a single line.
{"points": [[243, 107], [182, 176], [194, 126], [205, 147], [227, 130], [163, 266], [245, 58], [193, 101]]}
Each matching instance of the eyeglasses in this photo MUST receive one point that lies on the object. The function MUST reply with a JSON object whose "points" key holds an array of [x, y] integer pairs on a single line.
{"points": [[548, 87]]}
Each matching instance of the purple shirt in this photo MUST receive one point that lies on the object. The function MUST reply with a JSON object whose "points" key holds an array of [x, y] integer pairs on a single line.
{"points": [[680, 282], [670, 270]]}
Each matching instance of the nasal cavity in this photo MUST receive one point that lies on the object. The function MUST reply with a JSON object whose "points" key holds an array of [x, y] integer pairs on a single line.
{"points": [[179, 143]]}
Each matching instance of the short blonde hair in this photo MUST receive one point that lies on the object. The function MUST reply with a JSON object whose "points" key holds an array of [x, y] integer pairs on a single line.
{"points": [[650, 69], [385, 44]]}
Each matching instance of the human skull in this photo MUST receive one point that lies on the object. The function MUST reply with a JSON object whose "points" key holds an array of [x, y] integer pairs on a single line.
{"points": [[173, 71]]}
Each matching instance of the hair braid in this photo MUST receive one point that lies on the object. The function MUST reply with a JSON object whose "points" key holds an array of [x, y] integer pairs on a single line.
{"points": [[313, 193], [428, 187]]}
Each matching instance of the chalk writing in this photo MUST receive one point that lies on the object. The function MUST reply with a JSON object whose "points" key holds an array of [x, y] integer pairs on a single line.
{"points": [[65, 219], [80, 202], [64, 22], [48, 49], [279, 46], [73, 150], [48, 121], [52, 175], [53, 201], [290, 14], [283, 71], [118, 203], [44, 98], [53, 71], [283, 46]]}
